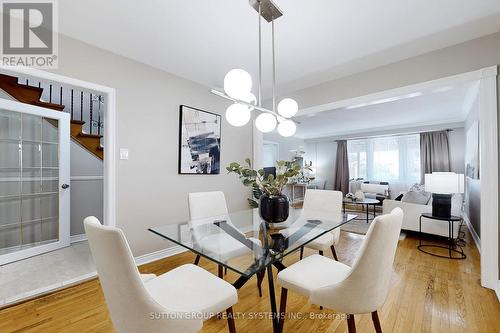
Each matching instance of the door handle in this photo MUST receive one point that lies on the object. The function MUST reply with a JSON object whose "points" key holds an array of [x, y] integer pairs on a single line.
{"points": [[64, 186]]}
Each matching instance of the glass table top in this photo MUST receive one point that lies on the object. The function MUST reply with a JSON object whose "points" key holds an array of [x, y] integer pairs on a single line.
{"points": [[241, 241]]}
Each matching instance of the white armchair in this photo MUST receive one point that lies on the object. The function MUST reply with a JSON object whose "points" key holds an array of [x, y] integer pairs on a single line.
{"points": [[361, 288], [323, 204], [176, 301]]}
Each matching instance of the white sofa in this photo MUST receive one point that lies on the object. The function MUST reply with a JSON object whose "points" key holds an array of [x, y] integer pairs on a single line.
{"points": [[413, 211]]}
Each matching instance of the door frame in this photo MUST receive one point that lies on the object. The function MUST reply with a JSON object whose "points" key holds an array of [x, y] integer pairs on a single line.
{"points": [[488, 122], [63, 119], [109, 114]]}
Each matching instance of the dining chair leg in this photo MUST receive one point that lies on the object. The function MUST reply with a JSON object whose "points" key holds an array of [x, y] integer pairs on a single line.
{"points": [[376, 322], [351, 324], [320, 252], [260, 278], [301, 252], [197, 260], [230, 320], [284, 294], [334, 252], [220, 272]]}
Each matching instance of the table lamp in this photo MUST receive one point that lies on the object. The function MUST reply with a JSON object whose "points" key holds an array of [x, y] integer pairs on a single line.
{"points": [[442, 185]]}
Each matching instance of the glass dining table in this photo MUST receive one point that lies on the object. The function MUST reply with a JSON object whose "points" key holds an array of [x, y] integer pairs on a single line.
{"points": [[242, 242]]}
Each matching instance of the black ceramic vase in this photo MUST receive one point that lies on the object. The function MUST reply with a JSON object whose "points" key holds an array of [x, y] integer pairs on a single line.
{"points": [[274, 208]]}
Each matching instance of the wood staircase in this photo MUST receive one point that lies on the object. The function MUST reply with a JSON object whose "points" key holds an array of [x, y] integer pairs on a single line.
{"points": [[31, 95]]}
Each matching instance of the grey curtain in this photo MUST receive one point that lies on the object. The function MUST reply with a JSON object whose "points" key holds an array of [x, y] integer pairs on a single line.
{"points": [[341, 168], [434, 153]]}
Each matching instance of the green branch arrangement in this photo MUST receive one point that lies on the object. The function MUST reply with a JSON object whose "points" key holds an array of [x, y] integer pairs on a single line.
{"points": [[254, 179]]}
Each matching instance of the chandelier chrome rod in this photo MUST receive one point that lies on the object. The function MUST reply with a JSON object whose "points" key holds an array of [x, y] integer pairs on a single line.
{"points": [[274, 68], [239, 101], [260, 55], [256, 107]]}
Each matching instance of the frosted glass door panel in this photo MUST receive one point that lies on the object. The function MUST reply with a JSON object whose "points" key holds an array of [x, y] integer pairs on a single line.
{"points": [[29, 181]]}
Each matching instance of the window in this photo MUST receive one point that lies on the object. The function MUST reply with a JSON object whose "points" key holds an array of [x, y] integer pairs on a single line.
{"points": [[356, 152], [391, 158]]}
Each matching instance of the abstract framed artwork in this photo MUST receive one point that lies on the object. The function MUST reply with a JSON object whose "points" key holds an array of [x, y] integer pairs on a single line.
{"points": [[199, 141]]}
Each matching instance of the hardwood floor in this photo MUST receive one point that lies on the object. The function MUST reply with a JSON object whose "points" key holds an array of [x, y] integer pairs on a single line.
{"points": [[428, 294]]}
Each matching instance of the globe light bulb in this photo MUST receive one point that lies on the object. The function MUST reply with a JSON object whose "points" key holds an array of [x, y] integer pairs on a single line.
{"points": [[238, 114], [288, 107], [265, 122], [287, 128], [237, 83]]}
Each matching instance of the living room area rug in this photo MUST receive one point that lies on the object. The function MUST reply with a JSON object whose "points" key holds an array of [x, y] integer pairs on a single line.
{"points": [[359, 225]]}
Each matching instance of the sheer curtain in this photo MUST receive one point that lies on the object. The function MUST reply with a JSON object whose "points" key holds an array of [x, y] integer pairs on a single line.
{"points": [[389, 158]]}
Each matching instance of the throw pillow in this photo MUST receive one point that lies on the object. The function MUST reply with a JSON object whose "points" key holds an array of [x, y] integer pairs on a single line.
{"points": [[419, 198], [417, 188]]}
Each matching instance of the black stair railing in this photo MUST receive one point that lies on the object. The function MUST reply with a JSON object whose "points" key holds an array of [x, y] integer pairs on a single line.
{"points": [[90, 103]]}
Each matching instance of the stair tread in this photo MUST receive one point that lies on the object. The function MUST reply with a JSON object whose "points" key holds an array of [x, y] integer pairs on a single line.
{"points": [[79, 122], [53, 106], [86, 135]]}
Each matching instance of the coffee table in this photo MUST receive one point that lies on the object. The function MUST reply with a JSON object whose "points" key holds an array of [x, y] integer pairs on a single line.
{"points": [[367, 202]]}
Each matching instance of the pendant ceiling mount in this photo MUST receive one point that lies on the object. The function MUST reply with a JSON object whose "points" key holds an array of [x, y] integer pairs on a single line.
{"points": [[238, 85], [269, 11]]}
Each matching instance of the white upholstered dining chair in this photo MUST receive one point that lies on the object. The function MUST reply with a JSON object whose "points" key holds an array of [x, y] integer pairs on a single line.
{"points": [[361, 288], [176, 301], [325, 204], [204, 208]]}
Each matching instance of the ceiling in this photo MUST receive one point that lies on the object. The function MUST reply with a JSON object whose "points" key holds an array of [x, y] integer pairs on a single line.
{"points": [[444, 105], [315, 40]]}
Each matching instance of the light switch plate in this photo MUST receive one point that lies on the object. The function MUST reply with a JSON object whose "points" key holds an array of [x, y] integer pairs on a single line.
{"points": [[123, 154]]}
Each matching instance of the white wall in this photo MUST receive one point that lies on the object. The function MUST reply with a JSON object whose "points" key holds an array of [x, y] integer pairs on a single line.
{"points": [[456, 139], [472, 207], [149, 190], [323, 154], [285, 144], [457, 59], [86, 187]]}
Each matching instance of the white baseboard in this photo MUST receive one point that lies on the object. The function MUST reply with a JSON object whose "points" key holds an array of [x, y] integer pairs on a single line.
{"points": [[475, 236], [157, 255], [78, 238]]}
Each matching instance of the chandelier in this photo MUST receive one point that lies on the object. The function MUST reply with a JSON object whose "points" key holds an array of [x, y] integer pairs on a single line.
{"points": [[238, 86]]}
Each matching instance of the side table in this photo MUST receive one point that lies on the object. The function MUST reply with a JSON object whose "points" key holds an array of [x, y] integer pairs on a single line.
{"points": [[451, 241]]}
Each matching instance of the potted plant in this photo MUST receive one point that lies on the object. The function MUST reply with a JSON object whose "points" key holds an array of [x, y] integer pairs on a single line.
{"points": [[273, 204]]}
